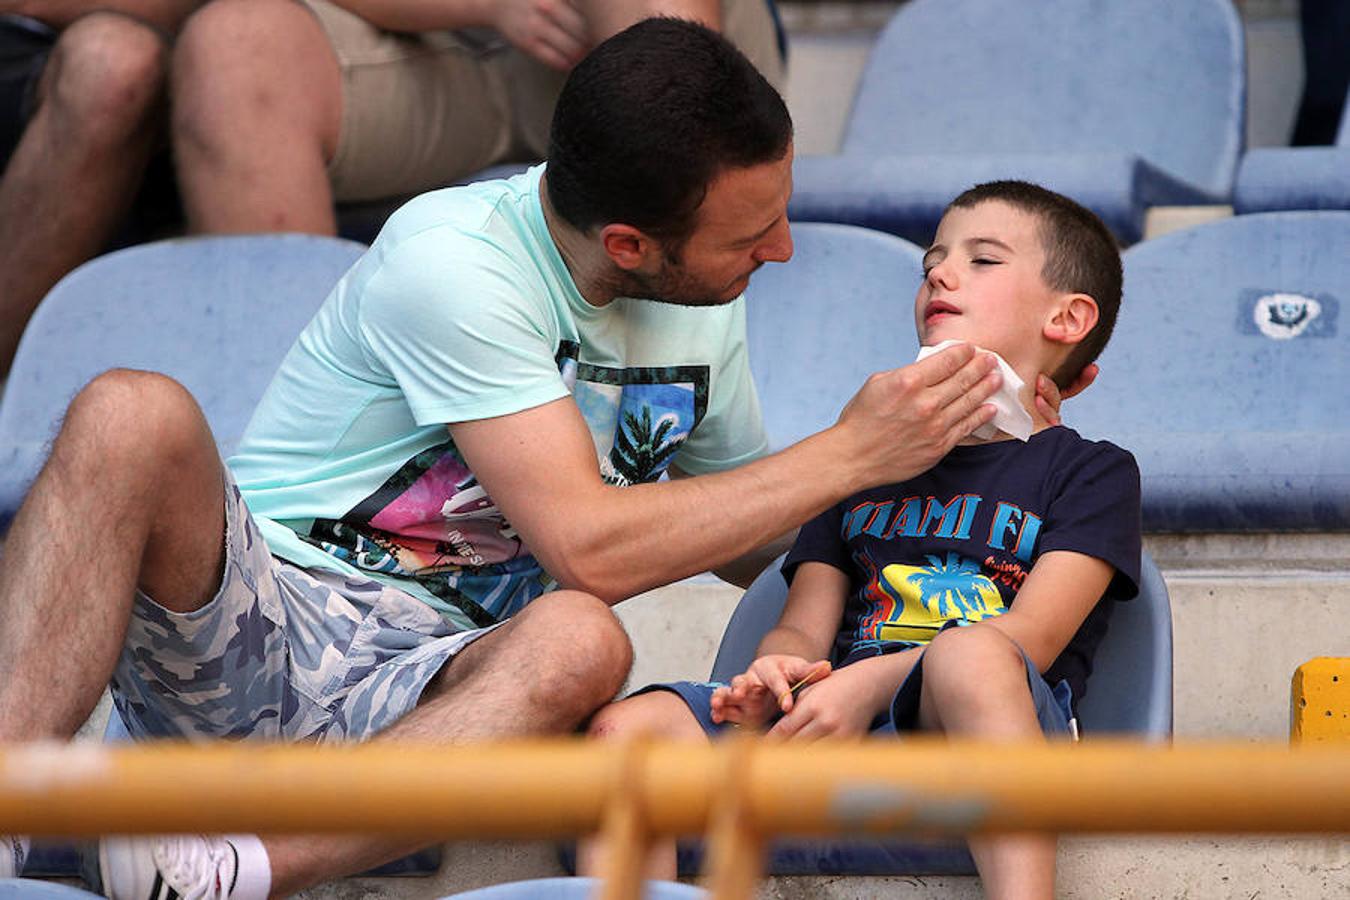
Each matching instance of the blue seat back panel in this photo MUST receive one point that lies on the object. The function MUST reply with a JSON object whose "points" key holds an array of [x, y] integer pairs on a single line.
{"points": [[217, 314], [1159, 79], [1227, 375], [841, 309]]}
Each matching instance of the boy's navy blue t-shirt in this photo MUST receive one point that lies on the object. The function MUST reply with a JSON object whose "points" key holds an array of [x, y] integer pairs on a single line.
{"points": [[956, 542]]}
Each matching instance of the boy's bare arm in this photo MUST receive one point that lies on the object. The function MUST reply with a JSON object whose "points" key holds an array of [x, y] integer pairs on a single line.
{"points": [[1060, 591], [743, 570]]}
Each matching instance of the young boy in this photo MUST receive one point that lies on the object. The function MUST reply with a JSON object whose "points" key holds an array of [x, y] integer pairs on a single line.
{"points": [[966, 600]]}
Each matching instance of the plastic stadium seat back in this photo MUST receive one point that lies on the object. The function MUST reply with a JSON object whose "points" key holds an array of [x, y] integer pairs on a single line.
{"points": [[1162, 80], [841, 309], [573, 889], [1227, 375], [216, 314], [1277, 179]]}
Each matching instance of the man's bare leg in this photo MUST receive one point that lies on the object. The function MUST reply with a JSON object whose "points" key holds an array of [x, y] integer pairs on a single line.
{"points": [[257, 109], [132, 495], [76, 170], [974, 685], [544, 672]]}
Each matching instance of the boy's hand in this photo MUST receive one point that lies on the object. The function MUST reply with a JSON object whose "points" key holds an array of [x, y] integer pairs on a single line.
{"points": [[842, 705], [1049, 396], [765, 689]]}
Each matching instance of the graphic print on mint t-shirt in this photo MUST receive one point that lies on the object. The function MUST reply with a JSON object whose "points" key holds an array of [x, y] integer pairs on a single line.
{"points": [[433, 522]]}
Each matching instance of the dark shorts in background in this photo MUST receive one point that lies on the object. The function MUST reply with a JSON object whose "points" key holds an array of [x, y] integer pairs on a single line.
{"points": [[25, 45]]}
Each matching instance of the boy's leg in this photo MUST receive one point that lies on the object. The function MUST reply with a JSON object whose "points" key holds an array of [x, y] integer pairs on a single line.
{"points": [[543, 672], [131, 496], [975, 685], [660, 714]]}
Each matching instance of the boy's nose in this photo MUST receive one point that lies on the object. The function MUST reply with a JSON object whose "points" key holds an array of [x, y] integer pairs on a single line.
{"points": [[943, 276]]}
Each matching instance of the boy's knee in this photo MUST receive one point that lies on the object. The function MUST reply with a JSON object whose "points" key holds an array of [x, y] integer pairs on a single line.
{"points": [[971, 660], [653, 714]]}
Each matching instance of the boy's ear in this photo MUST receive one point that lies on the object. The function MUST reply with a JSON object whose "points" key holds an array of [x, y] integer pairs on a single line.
{"points": [[628, 247], [1073, 317]]}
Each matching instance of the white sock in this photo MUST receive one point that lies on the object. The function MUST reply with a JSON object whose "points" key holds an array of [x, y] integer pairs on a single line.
{"points": [[253, 875], [15, 846]]}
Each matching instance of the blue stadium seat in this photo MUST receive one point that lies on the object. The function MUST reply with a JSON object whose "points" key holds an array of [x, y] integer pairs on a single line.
{"points": [[1277, 179], [31, 889], [1129, 692], [1227, 375], [217, 314], [1121, 106], [818, 325], [573, 889]]}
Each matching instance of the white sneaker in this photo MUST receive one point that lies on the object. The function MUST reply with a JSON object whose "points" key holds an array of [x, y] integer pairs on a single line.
{"points": [[184, 867], [13, 851]]}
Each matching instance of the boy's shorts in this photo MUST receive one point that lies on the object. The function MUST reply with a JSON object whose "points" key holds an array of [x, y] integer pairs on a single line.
{"points": [[1054, 705], [280, 652]]}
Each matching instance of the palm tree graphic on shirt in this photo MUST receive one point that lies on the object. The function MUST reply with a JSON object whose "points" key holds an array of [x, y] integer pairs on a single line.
{"points": [[640, 447], [954, 585]]}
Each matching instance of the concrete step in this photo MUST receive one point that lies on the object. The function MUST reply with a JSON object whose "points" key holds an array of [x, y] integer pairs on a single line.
{"points": [[1090, 868]]}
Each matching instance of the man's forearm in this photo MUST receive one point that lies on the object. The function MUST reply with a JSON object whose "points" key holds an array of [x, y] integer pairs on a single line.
{"points": [[421, 15], [648, 535], [609, 17], [164, 14]]}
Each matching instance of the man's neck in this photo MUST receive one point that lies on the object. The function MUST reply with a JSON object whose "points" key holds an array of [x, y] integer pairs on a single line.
{"points": [[584, 258]]}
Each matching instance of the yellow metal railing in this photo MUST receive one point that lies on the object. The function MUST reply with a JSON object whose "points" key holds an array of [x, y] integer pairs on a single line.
{"points": [[738, 792]]}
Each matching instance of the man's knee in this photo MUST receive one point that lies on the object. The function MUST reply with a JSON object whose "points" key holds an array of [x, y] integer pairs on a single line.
{"points": [[592, 650], [107, 77], [143, 415]]}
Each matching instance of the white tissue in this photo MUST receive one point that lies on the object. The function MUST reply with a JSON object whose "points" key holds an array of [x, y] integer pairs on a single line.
{"points": [[1012, 417]]}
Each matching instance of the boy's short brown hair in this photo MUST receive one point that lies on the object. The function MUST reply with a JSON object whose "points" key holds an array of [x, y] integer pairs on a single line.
{"points": [[1081, 257]]}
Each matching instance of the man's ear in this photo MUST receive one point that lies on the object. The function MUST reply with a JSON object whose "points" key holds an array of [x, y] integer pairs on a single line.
{"points": [[1073, 317], [629, 248]]}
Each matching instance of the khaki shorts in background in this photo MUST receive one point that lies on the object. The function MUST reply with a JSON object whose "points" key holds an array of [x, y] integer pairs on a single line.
{"points": [[422, 111]]}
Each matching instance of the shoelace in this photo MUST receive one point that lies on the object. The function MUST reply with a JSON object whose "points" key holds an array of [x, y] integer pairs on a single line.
{"points": [[199, 867]]}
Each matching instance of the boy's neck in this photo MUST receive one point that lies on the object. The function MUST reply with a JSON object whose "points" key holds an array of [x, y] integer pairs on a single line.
{"points": [[1027, 396]]}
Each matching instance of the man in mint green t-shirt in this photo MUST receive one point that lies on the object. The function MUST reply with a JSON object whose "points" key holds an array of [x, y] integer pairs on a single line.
{"points": [[455, 471]]}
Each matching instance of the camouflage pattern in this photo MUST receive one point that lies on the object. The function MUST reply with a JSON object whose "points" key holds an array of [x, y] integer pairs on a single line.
{"points": [[280, 652]]}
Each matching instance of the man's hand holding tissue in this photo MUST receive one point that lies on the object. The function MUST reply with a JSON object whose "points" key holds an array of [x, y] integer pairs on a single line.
{"points": [[904, 420]]}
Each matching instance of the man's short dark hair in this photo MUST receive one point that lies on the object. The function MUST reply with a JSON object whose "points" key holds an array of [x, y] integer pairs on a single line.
{"points": [[1081, 257], [649, 118]]}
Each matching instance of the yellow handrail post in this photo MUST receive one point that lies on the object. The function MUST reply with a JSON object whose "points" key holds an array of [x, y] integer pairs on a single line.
{"points": [[625, 830], [735, 846]]}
